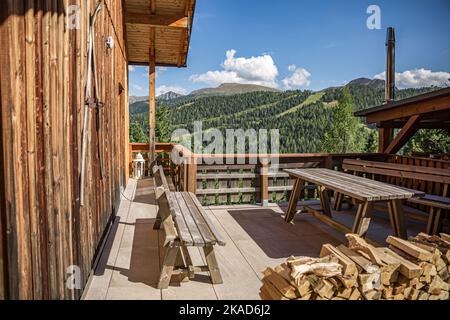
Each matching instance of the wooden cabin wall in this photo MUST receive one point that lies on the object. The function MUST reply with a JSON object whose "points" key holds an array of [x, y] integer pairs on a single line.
{"points": [[42, 78]]}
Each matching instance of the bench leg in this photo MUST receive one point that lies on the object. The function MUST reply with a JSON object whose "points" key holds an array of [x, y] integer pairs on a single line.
{"points": [[213, 266], [184, 261], [437, 221], [430, 223], [167, 267], [293, 200], [362, 219]]}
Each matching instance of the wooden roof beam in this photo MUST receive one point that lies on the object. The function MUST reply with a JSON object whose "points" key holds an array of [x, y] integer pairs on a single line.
{"points": [[404, 135], [157, 20]]}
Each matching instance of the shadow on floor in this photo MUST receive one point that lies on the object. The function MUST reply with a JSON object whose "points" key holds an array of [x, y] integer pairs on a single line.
{"points": [[145, 192], [144, 260], [306, 236], [147, 256], [106, 252]]}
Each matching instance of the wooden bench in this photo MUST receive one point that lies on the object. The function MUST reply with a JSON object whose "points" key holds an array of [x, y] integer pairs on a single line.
{"points": [[436, 203], [186, 224]]}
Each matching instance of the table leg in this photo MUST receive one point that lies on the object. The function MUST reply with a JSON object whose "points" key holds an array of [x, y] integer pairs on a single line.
{"points": [[392, 217], [362, 220], [293, 200], [399, 218], [338, 198], [325, 201]]}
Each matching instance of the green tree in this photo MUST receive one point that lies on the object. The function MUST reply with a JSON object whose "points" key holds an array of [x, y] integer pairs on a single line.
{"points": [[137, 134], [429, 142], [163, 127], [346, 133]]}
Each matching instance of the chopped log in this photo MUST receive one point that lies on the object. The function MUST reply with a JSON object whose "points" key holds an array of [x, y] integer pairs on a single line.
{"points": [[269, 290], [389, 274], [355, 242], [348, 281], [445, 237], [280, 283], [410, 249], [344, 293], [304, 287], [437, 285], [284, 271], [349, 267], [365, 264], [369, 281], [423, 295], [407, 268], [356, 295], [319, 269], [372, 295], [387, 292]]}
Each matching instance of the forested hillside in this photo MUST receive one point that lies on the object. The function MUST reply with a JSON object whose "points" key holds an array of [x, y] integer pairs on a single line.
{"points": [[304, 118]]}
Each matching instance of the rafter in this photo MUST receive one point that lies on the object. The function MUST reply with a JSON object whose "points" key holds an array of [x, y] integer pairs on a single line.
{"points": [[157, 20], [404, 135]]}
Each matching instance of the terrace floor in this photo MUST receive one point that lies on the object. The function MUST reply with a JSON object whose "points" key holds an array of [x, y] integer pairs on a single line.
{"points": [[256, 238]]}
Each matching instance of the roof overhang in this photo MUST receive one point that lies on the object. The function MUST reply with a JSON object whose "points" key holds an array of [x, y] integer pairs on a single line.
{"points": [[433, 109], [161, 28]]}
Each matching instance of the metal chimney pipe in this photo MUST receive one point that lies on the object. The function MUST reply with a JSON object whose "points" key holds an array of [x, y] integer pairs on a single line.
{"points": [[390, 71]]}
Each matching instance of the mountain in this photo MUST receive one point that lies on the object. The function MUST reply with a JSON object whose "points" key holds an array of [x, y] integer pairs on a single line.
{"points": [[302, 117], [133, 99], [374, 83], [169, 96], [232, 88]]}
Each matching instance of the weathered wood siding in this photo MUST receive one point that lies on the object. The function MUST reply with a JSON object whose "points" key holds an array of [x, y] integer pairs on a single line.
{"points": [[43, 75]]}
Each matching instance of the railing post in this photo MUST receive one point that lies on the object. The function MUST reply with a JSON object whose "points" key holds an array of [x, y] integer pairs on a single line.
{"points": [[264, 184], [192, 175]]}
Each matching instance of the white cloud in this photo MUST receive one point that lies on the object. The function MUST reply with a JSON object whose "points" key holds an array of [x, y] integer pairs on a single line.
{"points": [[418, 78], [164, 89], [300, 78], [137, 87], [131, 68], [260, 70]]}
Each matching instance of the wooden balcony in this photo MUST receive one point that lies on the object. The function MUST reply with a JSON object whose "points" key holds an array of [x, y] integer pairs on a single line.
{"points": [[256, 237]]}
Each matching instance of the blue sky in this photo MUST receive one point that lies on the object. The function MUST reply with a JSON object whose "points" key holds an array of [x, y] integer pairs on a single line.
{"points": [[299, 44]]}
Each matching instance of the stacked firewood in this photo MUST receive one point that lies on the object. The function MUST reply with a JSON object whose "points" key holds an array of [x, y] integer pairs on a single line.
{"points": [[414, 269]]}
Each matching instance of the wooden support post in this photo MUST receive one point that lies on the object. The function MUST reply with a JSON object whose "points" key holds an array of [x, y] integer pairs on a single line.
{"points": [[152, 97], [192, 175], [264, 185], [385, 138]]}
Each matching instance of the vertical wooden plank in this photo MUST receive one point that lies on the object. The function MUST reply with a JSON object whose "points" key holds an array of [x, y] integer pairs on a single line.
{"points": [[264, 184], [152, 93], [19, 146], [31, 131], [3, 222]]}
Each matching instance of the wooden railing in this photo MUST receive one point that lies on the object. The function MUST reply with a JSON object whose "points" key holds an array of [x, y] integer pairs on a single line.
{"points": [[163, 155], [248, 181]]}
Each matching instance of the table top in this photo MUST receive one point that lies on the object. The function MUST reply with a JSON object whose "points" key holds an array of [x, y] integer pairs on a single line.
{"points": [[354, 186]]}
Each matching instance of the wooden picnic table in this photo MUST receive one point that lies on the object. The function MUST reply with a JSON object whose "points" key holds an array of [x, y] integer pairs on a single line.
{"points": [[365, 193]]}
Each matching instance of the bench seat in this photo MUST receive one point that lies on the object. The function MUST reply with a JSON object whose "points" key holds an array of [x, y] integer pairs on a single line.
{"points": [[436, 203], [186, 224]]}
